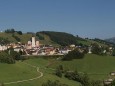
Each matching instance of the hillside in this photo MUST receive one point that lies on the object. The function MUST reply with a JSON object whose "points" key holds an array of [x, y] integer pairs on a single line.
{"points": [[112, 40], [63, 38], [97, 68], [50, 38], [10, 37]]}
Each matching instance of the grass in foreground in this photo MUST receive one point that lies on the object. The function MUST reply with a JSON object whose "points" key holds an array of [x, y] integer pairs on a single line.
{"points": [[97, 67]]}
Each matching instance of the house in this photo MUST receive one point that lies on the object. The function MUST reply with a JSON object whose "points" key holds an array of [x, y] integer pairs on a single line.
{"points": [[64, 51]]}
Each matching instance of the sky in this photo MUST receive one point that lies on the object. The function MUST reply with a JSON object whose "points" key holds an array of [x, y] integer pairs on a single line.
{"points": [[86, 18]]}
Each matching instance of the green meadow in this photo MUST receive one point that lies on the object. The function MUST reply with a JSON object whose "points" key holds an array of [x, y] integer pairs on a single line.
{"points": [[97, 67]]}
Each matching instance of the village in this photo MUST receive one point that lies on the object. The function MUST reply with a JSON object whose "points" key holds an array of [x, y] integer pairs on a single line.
{"points": [[34, 47]]}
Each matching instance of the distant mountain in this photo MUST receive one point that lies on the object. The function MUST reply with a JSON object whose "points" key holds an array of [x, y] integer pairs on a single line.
{"points": [[112, 40]]}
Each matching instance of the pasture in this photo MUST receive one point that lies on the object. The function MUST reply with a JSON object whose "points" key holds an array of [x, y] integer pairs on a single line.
{"points": [[97, 67]]}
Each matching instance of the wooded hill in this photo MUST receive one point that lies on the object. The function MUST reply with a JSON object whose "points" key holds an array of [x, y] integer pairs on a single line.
{"points": [[50, 38], [64, 39]]}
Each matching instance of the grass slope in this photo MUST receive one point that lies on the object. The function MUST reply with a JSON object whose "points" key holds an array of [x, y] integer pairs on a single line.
{"points": [[24, 38], [15, 72], [89, 42], [98, 67], [20, 71]]}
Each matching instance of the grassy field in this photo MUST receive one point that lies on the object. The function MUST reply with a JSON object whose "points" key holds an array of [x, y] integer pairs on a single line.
{"points": [[16, 72], [97, 67], [21, 71]]}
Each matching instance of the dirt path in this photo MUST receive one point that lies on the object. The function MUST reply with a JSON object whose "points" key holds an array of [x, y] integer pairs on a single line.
{"points": [[20, 81]]}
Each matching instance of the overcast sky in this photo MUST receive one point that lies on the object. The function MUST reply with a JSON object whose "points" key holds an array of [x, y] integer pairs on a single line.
{"points": [[86, 18]]}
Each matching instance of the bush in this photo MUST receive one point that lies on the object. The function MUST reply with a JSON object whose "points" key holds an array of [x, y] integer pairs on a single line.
{"points": [[82, 78], [6, 58], [59, 71], [96, 49], [75, 54]]}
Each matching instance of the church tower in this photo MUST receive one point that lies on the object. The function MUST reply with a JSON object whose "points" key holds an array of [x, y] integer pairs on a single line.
{"points": [[33, 42]]}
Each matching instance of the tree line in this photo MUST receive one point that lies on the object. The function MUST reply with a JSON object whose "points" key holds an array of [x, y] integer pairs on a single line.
{"points": [[13, 31]]}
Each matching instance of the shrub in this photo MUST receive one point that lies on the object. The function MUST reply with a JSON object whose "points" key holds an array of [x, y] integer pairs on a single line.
{"points": [[75, 54]]}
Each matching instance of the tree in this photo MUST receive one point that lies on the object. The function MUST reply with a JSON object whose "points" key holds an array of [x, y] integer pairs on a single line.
{"points": [[19, 32], [10, 31], [6, 58], [15, 55], [74, 54], [82, 78], [113, 53], [58, 72], [96, 49]]}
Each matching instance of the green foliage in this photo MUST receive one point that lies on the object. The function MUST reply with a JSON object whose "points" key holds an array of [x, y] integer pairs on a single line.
{"points": [[15, 55], [19, 32], [61, 38], [40, 37], [82, 78], [16, 37], [53, 83], [113, 53], [10, 31], [96, 49], [74, 54], [71, 75], [9, 56], [4, 41], [113, 83], [59, 71], [6, 58]]}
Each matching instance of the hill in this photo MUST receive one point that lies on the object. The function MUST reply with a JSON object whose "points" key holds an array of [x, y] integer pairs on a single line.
{"points": [[60, 38], [112, 40], [50, 38], [12, 37], [63, 38]]}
